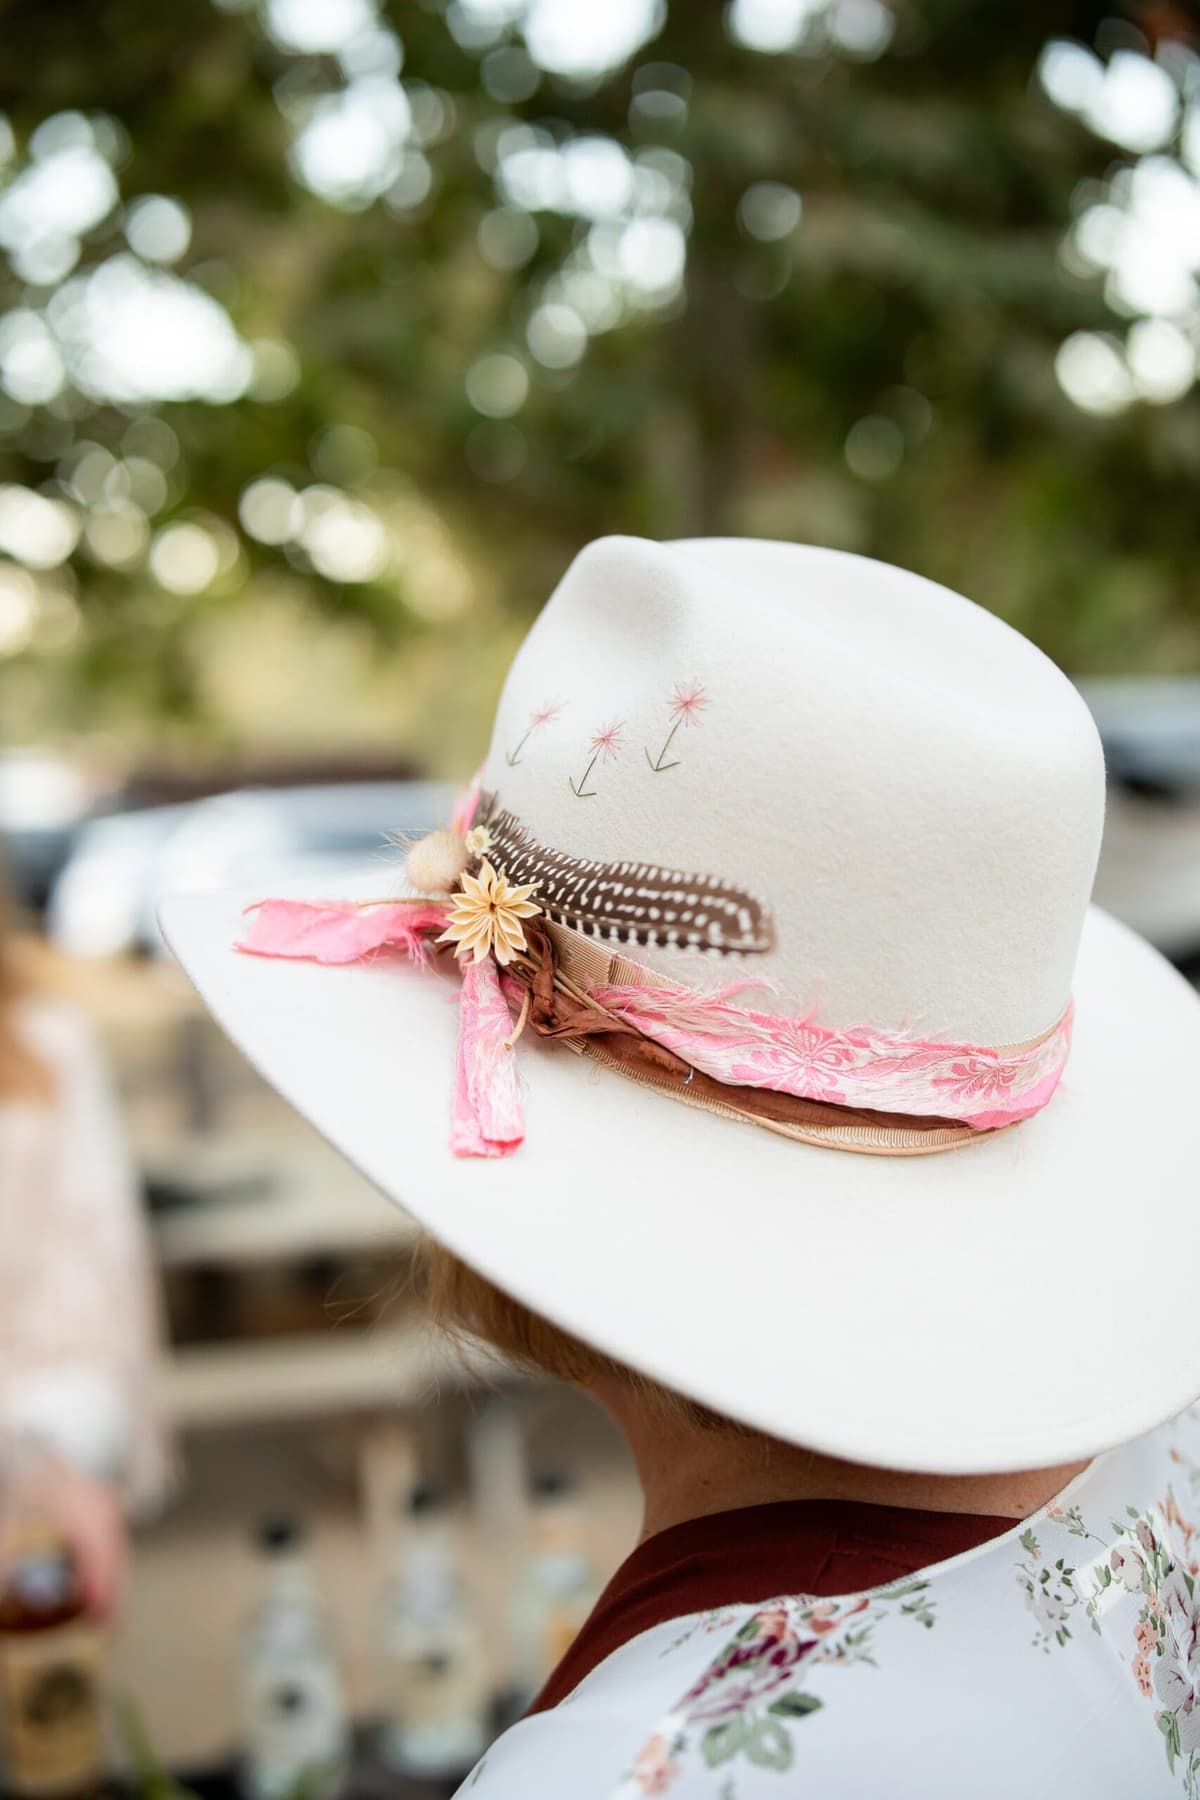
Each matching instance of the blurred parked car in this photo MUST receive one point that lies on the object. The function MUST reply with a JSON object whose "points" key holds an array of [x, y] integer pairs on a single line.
{"points": [[105, 899], [1149, 872], [44, 799]]}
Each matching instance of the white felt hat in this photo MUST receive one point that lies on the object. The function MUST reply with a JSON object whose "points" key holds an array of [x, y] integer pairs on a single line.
{"points": [[888, 806]]}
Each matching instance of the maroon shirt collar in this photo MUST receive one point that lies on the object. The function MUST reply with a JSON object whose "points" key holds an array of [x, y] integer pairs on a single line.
{"points": [[821, 1548]]}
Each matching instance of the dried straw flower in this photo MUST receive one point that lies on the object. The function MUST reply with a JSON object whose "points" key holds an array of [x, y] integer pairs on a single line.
{"points": [[486, 916]]}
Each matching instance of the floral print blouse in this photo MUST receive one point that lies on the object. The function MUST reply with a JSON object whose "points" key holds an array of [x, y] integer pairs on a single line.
{"points": [[1058, 1661]]}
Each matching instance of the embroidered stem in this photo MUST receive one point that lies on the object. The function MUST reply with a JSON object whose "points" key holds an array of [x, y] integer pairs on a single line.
{"points": [[583, 792], [657, 763], [545, 715], [513, 757], [604, 745]]}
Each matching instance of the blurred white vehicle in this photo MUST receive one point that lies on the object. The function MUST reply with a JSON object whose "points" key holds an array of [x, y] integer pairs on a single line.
{"points": [[44, 799], [105, 898], [1149, 872]]}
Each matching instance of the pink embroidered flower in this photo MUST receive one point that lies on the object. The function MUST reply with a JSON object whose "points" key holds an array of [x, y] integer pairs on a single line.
{"points": [[1142, 1675], [685, 707], [1145, 1636], [653, 1770], [539, 718], [801, 1059], [604, 745], [607, 741], [687, 702]]}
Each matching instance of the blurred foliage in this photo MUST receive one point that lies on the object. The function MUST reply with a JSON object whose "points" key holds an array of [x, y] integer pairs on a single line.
{"points": [[914, 313]]}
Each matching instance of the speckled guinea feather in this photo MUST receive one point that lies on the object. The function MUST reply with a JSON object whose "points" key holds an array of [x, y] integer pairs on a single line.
{"points": [[628, 902]]}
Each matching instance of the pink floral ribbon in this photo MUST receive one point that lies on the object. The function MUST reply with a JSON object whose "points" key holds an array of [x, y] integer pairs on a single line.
{"points": [[879, 1070], [875, 1069], [486, 1117]]}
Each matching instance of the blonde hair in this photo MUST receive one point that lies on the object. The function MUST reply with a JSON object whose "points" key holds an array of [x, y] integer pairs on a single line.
{"points": [[464, 1304], [23, 1074]]}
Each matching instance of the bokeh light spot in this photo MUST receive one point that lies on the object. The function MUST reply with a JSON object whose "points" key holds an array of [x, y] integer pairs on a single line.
{"points": [[874, 447], [185, 558], [507, 237], [497, 385], [158, 228], [861, 28], [317, 26], [768, 210], [35, 530], [1162, 361], [270, 512], [589, 40], [556, 335], [18, 609], [275, 370], [1092, 372]]}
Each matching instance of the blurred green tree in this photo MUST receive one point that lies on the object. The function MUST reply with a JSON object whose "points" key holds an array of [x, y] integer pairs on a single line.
{"points": [[380, 315]]}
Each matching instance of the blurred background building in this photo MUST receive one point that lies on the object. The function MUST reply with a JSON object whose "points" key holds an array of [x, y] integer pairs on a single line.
{"points": [[329, 331]]}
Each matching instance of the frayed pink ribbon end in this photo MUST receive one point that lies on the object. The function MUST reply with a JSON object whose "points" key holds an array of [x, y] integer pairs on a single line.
{"points": [[487, 1117], [335, 932], [486, 1114]]}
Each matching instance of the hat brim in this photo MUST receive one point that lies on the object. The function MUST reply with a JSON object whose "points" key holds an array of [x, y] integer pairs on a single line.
{"points": [[1020, 1303]]}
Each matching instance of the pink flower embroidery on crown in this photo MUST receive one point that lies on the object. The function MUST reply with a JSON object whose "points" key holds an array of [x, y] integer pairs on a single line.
{"points": [[539, 719], [604, 746], [688, 702]]}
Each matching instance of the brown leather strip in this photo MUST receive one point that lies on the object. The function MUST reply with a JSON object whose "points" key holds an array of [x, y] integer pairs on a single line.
{"points": [[560, 1010]]}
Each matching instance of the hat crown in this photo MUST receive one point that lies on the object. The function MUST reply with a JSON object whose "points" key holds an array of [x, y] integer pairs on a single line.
{"points": [[911, 793]]}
